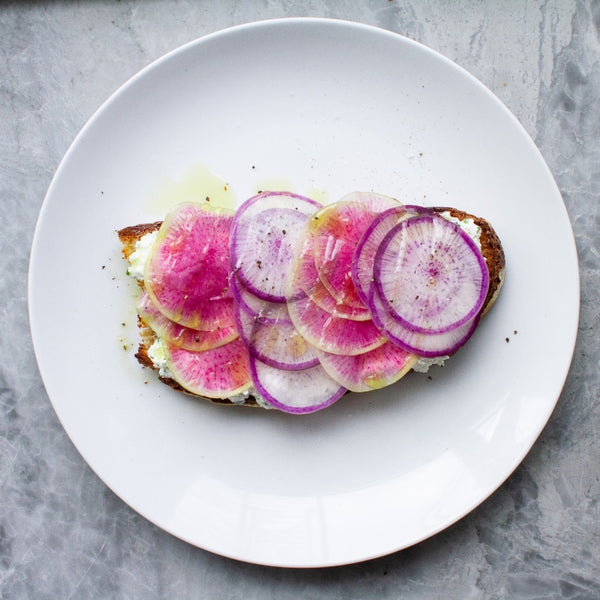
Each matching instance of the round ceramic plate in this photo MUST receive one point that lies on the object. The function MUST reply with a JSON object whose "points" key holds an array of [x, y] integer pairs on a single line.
{"points": [[322, 108]]}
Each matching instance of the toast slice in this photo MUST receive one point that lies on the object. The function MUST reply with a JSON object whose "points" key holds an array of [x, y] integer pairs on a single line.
{"points": [[491, 249]]}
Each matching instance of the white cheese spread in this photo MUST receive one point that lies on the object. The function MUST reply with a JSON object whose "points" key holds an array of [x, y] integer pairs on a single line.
{"points": [[467, 225], [423, 364], [157, 354], [139, 257]]}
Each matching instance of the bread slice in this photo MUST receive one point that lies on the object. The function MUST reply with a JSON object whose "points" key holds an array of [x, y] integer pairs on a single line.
{"points": [[491, 249]]}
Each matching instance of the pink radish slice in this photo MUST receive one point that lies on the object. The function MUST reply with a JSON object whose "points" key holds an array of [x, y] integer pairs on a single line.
{"points": [[187, 273], [221, 372], [427, 345], [263, 237], [430, 274], [376, 203], [299, 392], [184, 337], [304, 280], [278, 345], [195, 313], [370, 371], [263, 310], [336, 230], [330, 333]]}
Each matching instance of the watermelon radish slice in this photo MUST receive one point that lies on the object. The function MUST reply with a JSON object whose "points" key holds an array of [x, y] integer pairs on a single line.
{"points": [[299, 392], [304, 280], [221, 372], [279, 345], [335, 231], [263, 237], [264, 311], [178, 335], [376, 203], [363, 260], [369, 371], [427, 345], [430, 275], [187, 272], [330, 333]]}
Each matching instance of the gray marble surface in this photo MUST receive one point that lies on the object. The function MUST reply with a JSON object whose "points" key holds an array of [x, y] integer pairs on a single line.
{"points": [[63, 534]]}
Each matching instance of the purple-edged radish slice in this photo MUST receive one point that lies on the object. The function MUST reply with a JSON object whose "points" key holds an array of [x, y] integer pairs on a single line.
{"points": [[184, 337], [376, 203], [364, 255], [430, 275], [264, 311], [187, 272], [263, 237], [427, 345], [336, 230], [330, 333], [304, 280], [279, 345], [221, 372], [370, 371], [299, 392]]}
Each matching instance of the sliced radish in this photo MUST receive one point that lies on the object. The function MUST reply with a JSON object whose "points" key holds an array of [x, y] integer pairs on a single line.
{"points": [[427, 345], [376, 203], [330, 333], [304, 280], [279, 345], [184, 337], [364, 255], [336, 230], [297, 392], [264, 311], [430, 274], [187, 273], [263, 237], [219, 373], [363, 260], [372, 370]]}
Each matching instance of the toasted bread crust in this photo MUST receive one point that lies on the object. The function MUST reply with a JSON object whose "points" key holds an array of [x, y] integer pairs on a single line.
{"points": [[128, 236], [491, 249]]}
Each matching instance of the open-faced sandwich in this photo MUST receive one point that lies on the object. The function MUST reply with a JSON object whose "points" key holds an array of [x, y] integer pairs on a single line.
{"points": [[289, 304]]}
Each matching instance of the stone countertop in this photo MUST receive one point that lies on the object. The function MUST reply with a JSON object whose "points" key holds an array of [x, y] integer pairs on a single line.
{"points": [[63, 534]]}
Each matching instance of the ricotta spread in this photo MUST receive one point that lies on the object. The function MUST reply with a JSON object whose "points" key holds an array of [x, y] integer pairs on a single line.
{"points": [[156, 353], [423, 364], [467, 225], [139, 257]]}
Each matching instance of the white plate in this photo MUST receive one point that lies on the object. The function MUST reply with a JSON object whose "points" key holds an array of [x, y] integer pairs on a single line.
{"points": [[336, 107]]}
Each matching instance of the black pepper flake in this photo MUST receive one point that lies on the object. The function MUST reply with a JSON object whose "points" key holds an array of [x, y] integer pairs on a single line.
{"points": [[259, 264], [507, 340], [207, 198]]}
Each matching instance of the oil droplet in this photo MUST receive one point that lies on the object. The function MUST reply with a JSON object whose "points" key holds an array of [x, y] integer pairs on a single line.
{"points": [[199, 184]]}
